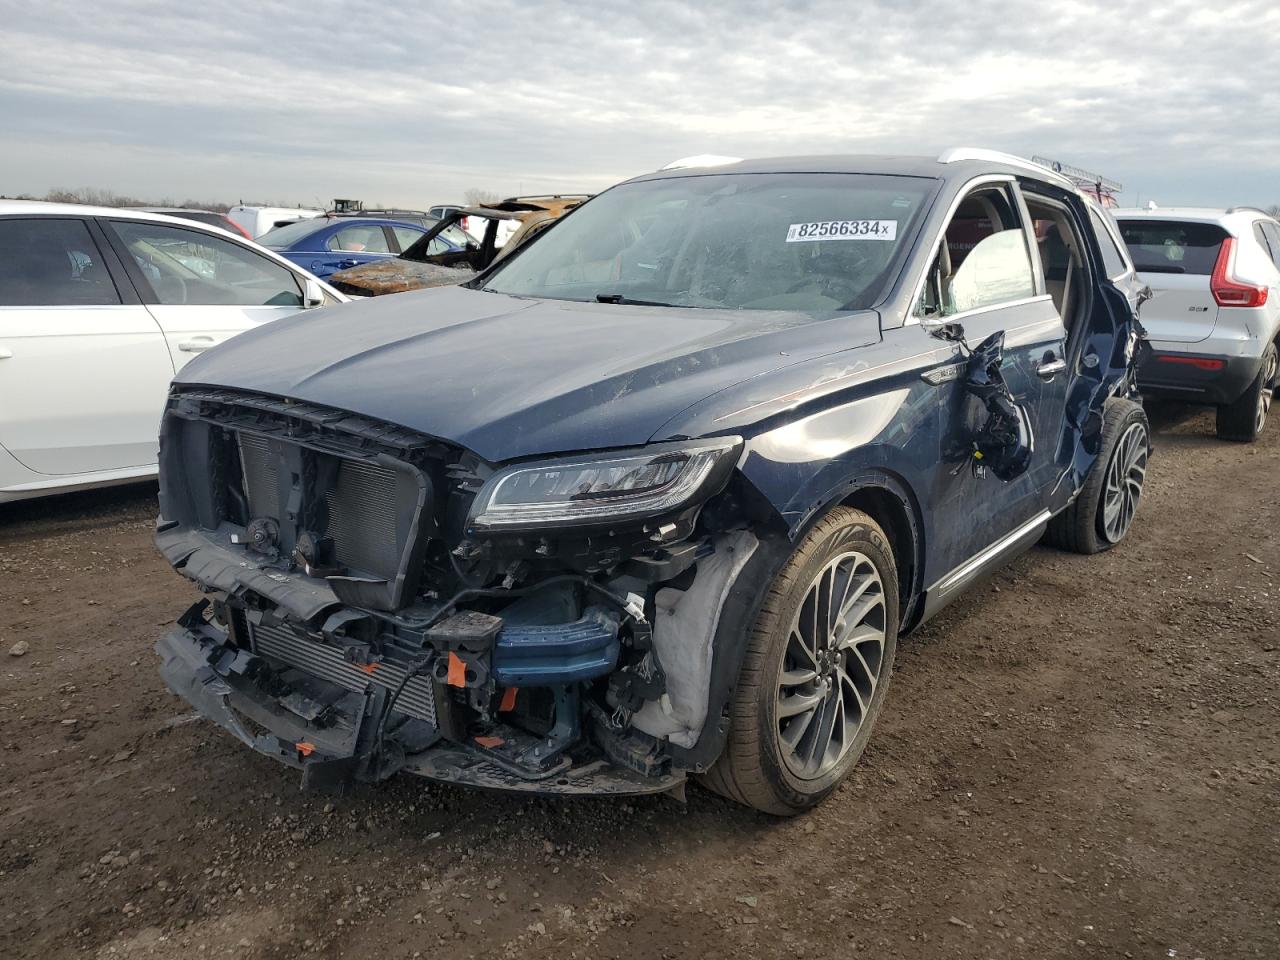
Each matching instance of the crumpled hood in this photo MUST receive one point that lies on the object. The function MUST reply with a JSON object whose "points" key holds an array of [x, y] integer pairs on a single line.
{"points": [[508, 377], [397, 276]]}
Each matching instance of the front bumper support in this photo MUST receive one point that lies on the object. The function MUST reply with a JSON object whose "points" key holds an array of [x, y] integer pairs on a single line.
{"points": [[218, 680]]}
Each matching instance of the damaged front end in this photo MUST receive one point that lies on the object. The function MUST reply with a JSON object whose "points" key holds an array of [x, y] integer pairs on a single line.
{"points": [[378, 600]]}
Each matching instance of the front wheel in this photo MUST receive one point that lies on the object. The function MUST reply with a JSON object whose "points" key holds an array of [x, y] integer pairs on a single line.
{"points": [[816, 669]]}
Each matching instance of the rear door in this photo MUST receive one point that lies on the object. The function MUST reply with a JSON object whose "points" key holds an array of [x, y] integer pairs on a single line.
{"points": [[84, 367], [350, 246], [202, 287], [1175, 258]]}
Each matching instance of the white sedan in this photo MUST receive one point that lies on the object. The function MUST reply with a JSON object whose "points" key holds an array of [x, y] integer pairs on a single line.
{"points": [[98, 309]]}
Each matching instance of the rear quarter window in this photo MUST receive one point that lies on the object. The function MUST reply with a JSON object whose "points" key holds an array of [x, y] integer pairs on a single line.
{"points": [[1173, 246]]}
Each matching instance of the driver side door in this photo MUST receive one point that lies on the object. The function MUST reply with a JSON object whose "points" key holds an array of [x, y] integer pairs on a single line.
{"points": [[985, 280], [202, 288]]}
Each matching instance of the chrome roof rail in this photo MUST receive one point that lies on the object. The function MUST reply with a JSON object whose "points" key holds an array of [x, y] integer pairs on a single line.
{"points": [[957, 154]]}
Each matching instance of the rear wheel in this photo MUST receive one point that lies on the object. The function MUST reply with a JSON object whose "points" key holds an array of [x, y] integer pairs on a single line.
{"points": [[1103, 511], [1243, 420], [816, 668]]}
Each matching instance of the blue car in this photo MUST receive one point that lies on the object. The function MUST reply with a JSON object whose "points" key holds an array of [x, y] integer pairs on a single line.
{"points": [[326, 245], [655, 495]]}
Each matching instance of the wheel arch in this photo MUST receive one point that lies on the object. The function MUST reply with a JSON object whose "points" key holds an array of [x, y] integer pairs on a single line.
{"points": [[889, 500]]}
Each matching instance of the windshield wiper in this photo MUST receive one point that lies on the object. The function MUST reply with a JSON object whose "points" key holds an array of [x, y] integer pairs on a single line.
{"points": [[628, 301]]}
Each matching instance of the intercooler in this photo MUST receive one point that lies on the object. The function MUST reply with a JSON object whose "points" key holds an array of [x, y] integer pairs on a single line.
{"points": [[291, 649]]}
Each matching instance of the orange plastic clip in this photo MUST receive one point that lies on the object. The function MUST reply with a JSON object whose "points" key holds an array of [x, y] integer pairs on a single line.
{"points": [[490, 742], [306, 749], [457, 671], [367, 667], [508, 699]]}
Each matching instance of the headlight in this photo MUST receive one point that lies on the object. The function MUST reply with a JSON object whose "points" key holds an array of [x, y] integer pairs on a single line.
{"points": [[604, 488]]}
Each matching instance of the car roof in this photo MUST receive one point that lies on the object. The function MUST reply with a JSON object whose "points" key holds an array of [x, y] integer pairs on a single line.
{"points": [[346, 221], [43, 208], [1218, 215], [961, 163], [173, 210]]}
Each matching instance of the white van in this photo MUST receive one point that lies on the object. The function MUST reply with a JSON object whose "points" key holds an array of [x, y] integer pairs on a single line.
{"points": [[258, 220]]}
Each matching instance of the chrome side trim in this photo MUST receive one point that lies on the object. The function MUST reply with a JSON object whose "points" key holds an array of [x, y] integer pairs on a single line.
{"points": [[953, 584], [931, 324]]}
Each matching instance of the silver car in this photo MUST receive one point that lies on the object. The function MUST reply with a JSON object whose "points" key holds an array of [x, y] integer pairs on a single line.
{"points": [[1214, 319]]}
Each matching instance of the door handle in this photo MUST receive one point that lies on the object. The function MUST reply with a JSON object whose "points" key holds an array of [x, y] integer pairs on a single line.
{"points": [[196, 344], [5, 353], [348, 264], [1049, 369]]}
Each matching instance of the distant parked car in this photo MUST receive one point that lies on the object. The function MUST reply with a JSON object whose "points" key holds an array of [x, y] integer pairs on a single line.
{"points": [[98, 309], [258, 220], [1214, 320], [428, 264], [419, 218], [211, 217], [326, 245]]}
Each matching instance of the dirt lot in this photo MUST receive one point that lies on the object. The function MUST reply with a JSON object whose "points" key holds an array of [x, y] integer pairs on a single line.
{"points": [[1080, 759]]}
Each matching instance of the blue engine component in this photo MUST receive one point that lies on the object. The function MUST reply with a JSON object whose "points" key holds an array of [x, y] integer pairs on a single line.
{"points": [[548, 655]]}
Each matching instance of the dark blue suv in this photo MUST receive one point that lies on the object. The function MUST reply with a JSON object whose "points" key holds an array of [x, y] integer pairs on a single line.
{"points": [[657, 494]]}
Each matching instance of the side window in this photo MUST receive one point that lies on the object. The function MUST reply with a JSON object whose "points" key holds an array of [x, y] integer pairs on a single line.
{"points": [[1272, 232], [983, 260], [187, 267], [360, 239], [1112, 260], [52, 263], [1059, 243], [406, 236], [997, 270]]}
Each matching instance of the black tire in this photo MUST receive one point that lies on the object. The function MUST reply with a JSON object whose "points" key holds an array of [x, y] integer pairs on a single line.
{"points": [[1087, 526], [1243, 420], [758, 768]]}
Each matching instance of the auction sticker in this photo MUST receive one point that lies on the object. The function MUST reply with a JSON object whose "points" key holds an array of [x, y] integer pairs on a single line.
{"points": [[843, 230]]}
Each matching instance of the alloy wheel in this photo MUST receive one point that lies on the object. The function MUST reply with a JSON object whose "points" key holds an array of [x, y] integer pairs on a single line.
{"points": [[1125, 476], [832, 665], [1268, 386]]}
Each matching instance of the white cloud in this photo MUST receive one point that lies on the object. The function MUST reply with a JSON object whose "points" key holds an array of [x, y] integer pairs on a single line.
{"points": [[414, 103]]}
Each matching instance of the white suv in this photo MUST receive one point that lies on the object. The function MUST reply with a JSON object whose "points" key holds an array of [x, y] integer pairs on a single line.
{"points": [[1214, 319]]}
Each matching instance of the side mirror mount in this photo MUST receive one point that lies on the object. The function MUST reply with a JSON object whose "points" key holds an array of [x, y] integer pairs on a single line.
{"points": [[312, 294], [954, 332]]}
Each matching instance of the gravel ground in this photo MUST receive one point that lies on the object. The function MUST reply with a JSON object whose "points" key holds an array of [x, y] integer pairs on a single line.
{"points": [[1079, 759]]}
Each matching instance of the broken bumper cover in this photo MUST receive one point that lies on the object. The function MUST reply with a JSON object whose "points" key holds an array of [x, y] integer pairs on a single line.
{"points": [[217, 680]]}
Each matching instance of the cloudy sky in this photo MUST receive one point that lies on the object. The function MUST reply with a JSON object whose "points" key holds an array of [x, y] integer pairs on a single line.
{"points": [[412, 103]]}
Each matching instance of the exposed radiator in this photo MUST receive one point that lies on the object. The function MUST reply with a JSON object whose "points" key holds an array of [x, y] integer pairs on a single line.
{"points": [[362, 506], [282, 644]]}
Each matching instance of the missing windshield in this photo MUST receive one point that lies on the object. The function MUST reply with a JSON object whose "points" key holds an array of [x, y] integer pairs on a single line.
{"points": [[809, 243]]}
